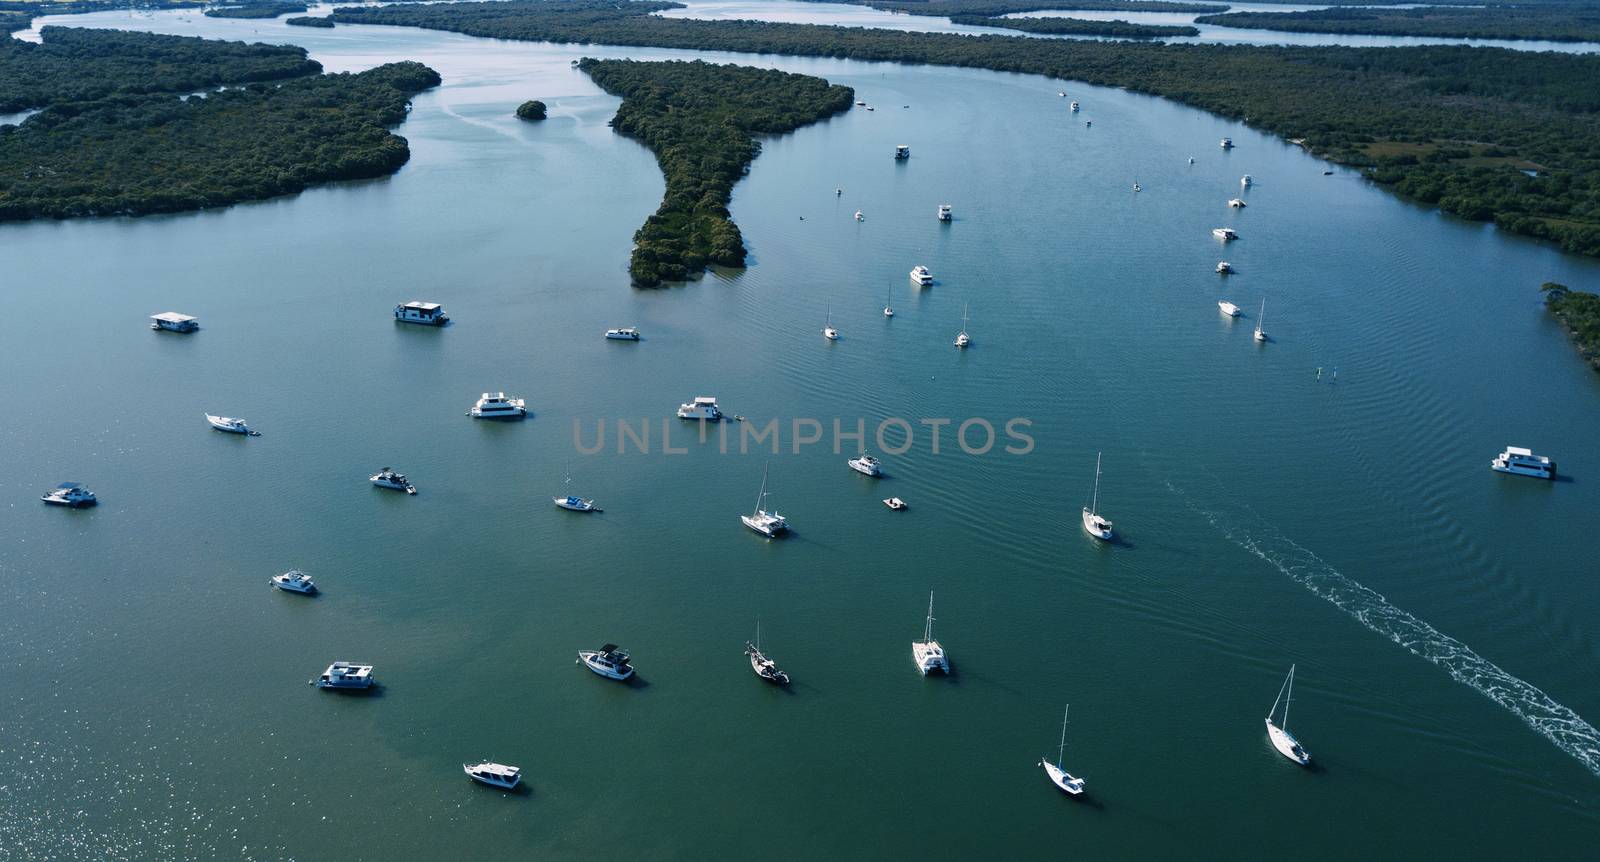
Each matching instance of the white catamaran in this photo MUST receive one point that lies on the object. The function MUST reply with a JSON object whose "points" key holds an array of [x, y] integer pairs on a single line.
{"points": [[769, 524], [1093, 524], [1058, 776], [1287, 745]]}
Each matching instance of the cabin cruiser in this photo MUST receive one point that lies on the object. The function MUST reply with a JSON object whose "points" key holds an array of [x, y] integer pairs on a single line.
{"points": [[495, 405], [609, 661], [425, 313], [1228, 308], [1224, 233], [895, 503], [1136, 187], [928, 653], [70, 494], [1226, 143], [944, 212], [764, 667], [921, 276], [1237, 203], [294, 581], [1246, 181], [866, 465], [859, 216], [172, 321], [902, 152], [494, 774], [1521, 462], [1075, 107], [575, 503], [702, 407], [344, 674], [861, 103], [1223, 267], [625, 334], [231, 425], [388, 478]]}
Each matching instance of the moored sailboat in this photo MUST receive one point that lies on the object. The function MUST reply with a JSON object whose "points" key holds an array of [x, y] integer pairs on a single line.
{"points": [[1061, 778], [1287, 745], [1093, 524]]}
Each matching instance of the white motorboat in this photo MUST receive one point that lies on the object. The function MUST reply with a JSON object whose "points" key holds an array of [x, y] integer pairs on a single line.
{"points": [[870, 108], [231, 425], [1136, 187], [1224, 233], [838, 192], [1191, 160], [859, 216], [495, 405], [609, 661], [902, 152], [895, 503], [425, 313], [493, 774], [828, 331], [388, 478], [70, 494], [860, 103], [928, 653], [1237, 203], [769, 524], [1062, 94], [1224, 268], [1287, 745], [1075, 107], [1093, 524], [172, 321], [944, 212], [764, 667], [1246, 182], [1261, 320], [1226, 144], [294, 581], [921, 276], [1515, 460], [573, 502], [1061, 778], [627, 333], [866, 465], [346, 675], [702, 407], [1228, 308]]}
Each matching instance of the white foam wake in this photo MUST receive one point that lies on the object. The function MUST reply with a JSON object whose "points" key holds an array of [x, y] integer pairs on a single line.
{"points": [[1560, 725]]}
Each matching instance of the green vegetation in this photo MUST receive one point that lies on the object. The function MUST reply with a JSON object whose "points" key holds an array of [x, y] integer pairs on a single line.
{"points": [[996, 8], [1581, 313], [103, 145], [255, 10], [533, 109], [1079, 27], [1553, 23], [17, 14], [309, 21], [1478, 116], [700, 120]]}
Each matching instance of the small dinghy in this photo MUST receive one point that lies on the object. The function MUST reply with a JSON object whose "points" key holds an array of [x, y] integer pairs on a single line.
{"points": [[895, 503], [493, 774]]}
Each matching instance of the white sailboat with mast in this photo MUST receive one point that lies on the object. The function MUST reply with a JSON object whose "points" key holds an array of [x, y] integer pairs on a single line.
{"points": [[828, 331], [1261, 320], [1061, 778], [928, 653], [1287, 745], [572, 501], [769, 524], [888, 307], [1093, 524], [962, 338]]}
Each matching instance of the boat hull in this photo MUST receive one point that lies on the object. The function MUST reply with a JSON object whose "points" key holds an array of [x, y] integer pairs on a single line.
{"points": [[1511, 469], [764, 528], [1096, 527], [1287, 745], [1065, 781], [587, 659], [70, 504]]}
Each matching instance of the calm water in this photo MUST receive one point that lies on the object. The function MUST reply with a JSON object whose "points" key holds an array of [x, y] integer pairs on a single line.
{"points": [[155, 687]]}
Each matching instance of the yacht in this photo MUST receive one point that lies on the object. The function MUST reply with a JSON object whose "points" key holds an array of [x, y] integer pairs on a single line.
{"points": [[1287, 745], [1093, 524], [1075, 106], [1515, 459], [172, 321], [425, 313], [70, 494], [895, 503], [575, 503], [902, 152], [495, 405], [927, 653], [859, 216], [870, 108], [294, 581], [1226, 143], [1061, 778], [828, 331], [1228, 308], [1224, 233], [764, 667], [702, 407], [1246, 181], [1237, 203], [866, 465], [625, 334], [1223, 267], [1062, 94], [493, 774], [921, 276], [345, 674], [231, 425], [861, 103], [962, 338], [769, 524], [1261, 320], [609, 661], [388, 478], [944, 212]]}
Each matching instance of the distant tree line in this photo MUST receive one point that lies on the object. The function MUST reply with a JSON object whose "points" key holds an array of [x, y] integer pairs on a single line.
{"points": [[255, 10], [1079, 27], [700, 120], [1551, 23], [310, 21], [1581, 313]]}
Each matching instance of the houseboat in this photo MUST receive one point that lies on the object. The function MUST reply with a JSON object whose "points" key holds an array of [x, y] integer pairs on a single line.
{"points": [[172, 321], [495, 405], [346, 675], [902, 152], [921, 276], [1225, 234], [702, 407], [494, 774], [425, 313], [944, 212], [1523, 462]]}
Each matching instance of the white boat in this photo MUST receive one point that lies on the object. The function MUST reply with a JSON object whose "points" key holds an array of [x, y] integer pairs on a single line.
{"points": [[172, 321], [859, 216], [609, 661], [927, 653], [1224, 233], [902, 152], [1136, 186], [575, 503], [1062, 94], [493, 774], [962, 338], [1223, 267], [1519, 461], [764, 667], [1226, 143], [1088, 123], [861, 103], [294, 581], [1246, 182], [1075, 107], [1237, 203], [870, 108], [1060, 777], [628, 333], [70, 494], [828, 331], [1228, 308], [1287, 745], [425, 313], [495, 405], [1093, 524], [1261, 320], [702, 407], [944, 212], [769, 524], [888, 308], [231, 425], [895, 503], [388, 478], [345, 674], [866, 465], [921, 276], [1191, 160]]}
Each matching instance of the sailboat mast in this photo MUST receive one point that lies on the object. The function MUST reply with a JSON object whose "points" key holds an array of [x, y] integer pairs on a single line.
{"points": [[927, 631], [1289, 698], [762, 495], [1094, 506], [1275, 701], [1062, 751]]}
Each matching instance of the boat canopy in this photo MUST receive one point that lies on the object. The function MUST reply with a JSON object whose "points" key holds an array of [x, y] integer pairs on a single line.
{"points": [[172, 317]]}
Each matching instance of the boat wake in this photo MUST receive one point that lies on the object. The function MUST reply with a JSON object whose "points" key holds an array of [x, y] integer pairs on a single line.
{"points": [[1559, 724]]}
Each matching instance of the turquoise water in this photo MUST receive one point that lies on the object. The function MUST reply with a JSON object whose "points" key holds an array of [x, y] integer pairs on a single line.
{"points": [[155, 686]]}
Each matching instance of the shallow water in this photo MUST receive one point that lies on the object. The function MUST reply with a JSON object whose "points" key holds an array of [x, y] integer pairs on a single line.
{"points": [[1440, 614]]}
